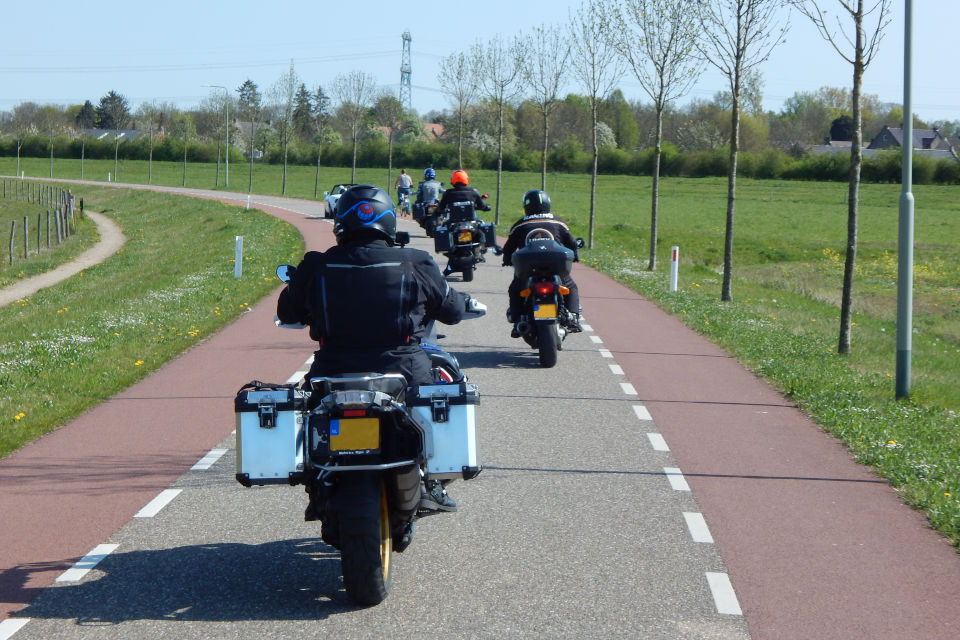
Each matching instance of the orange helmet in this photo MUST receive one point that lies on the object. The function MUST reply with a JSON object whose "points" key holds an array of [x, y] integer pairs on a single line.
{"points": [[459, 177]]}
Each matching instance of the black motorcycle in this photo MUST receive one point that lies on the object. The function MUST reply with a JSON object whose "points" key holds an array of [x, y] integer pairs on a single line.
{"points": [[464, 239], [362, 444], [545, 321]]}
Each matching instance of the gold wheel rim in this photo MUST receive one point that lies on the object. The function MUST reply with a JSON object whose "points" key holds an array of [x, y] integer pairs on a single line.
{"points": [[386, 540]]}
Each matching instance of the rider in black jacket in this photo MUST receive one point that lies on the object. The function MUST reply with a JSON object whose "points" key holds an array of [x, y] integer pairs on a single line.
{"points": [[367, 302], [536, 207], [461, 194]]}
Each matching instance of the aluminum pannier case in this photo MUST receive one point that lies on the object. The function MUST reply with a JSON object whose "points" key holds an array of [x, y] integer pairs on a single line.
{"points": [[270, 434], [446, 413]]}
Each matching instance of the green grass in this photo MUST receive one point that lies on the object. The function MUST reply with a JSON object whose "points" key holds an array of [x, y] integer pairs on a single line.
{"points": [[71, 346], [784, 321]]}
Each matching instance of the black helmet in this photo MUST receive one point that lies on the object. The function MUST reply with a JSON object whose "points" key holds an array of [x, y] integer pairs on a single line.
{"points": [[365, 210], [536, 201]]}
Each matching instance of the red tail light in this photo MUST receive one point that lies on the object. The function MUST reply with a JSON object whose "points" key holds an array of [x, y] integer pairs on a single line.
{"points": [[354, 413], [543, 288]]}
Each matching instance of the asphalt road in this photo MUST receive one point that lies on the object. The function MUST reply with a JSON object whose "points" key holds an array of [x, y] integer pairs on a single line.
{"points": [[582, 524]]}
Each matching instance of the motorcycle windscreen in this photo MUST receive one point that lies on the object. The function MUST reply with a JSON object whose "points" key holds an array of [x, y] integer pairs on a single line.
{"points": [[355, 434]]}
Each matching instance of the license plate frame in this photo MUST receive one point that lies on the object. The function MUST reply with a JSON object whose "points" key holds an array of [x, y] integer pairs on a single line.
{"points": [[350, 435], [545, 311]]}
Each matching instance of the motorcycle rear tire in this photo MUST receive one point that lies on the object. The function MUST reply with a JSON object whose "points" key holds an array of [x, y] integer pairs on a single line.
{"points": [[365, 538], [547, 343]]}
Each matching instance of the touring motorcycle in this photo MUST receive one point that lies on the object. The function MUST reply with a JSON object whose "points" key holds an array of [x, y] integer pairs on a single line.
{"points": [[464, 239], [362, 445]]}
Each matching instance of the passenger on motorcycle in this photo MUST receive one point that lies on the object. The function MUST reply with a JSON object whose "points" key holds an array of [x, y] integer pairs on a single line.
{"points": [[367, 302], [536, 209]]}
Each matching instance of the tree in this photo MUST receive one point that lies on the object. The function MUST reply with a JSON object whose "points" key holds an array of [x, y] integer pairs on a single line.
{"points": [[498, 67], [657, 40], [545, 71], [321, 116], [113, 112], [249, 106], [303, 123], [23, 123], [389, 112], [736, 36], [354, 90], [283, 92], [87, 116], [155, 117], [183, 127], [458, 79], [598, 70], [842, 128], [864, 48]]}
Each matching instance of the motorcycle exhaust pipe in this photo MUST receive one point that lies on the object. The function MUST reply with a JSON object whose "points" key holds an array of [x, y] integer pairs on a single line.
{"points": [[523, 326]]}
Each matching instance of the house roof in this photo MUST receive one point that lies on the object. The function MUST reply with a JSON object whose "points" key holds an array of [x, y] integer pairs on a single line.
{"points": [[921, 137]]}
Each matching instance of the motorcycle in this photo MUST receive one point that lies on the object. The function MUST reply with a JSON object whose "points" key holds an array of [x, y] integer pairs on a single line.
{"points": [[545, 321], [426, 214], [362, 444], [464, 239]]}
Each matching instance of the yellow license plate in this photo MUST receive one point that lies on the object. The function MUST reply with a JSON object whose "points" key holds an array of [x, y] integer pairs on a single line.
{"points": [[545, 311], [354, 434], [464, 236]]}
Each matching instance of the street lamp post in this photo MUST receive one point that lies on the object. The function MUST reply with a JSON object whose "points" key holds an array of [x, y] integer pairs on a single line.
{"points": [[226, 132]]}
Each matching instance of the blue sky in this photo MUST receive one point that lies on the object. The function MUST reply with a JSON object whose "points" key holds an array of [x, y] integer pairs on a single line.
{"points": [[71, 51]]}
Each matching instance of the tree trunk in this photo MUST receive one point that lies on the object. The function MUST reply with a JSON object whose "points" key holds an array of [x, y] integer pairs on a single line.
{"points": [[593, 172], [460, 139], [655, 189], [853, 194], [725, 294], [316, 177], [390, 158], [496, 214], [543, 156], [286, 146], [184, 181]]}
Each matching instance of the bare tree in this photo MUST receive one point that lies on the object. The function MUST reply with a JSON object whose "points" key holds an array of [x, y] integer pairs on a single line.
{"points": [[153, 117], [498, 67], [599, 70], [736, 36], [283, 92], [458, 79], [321, 116], [354, 91], [545, 70], [389, 114], [23, 123], [864, 48], [657, 39], [250, 108]]}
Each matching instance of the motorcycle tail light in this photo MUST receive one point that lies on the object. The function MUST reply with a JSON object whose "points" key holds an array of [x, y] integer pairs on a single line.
{"points": [[354, 413], [543, 288]]}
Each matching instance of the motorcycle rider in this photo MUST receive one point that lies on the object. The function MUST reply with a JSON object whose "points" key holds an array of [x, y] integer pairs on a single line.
{"points": [[456, 202], [429, 189], [536, 209], [367, 303]]}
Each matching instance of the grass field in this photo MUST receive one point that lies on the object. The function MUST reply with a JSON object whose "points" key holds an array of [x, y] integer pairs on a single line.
{"points": [[784, 320]]}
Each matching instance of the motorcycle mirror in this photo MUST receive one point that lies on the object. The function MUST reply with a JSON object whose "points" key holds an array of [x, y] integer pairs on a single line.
{"points": [[580, 243], [285, 272], [403, 238]]}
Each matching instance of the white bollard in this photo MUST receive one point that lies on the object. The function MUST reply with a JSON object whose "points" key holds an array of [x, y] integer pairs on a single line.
{"points": [[248, 202], [238, 258], [674, 259], [108, 177]]}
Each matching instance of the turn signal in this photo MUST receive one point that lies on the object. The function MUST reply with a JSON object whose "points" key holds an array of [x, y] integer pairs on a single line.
{"points": [[525, 293], [563, 290]]}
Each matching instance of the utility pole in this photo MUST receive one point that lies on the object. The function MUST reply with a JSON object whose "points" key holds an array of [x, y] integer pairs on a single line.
{"points": [[405, 93]]}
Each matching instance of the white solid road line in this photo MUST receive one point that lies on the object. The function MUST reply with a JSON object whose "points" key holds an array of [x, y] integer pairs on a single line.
{"points": [[10, 626], [677, 481], [698, 527], [723, 594], [207, 461], [87, 562], [657, 442], [153, 507]]}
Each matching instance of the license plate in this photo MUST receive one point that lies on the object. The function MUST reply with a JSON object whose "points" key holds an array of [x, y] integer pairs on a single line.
{"points": [[354, 434], [545, 311], [464, 236]]}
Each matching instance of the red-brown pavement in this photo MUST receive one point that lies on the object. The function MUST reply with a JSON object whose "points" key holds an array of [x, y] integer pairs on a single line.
{"points": [[816, 546], [72, 489]]}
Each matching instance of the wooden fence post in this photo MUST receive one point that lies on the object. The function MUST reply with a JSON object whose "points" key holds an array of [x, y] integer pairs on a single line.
{"points": [[25, 232], [48, 228], [13, 230]]}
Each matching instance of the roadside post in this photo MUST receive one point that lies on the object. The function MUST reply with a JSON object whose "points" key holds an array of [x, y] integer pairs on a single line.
{"points": [[674, 259], [238, 257]]}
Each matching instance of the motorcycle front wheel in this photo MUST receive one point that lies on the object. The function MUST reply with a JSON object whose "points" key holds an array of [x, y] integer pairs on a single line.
{"points": [[547, 343], [365, 540]]}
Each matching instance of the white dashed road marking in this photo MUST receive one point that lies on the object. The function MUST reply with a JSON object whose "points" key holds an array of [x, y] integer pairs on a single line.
{"points": [[207, 461], [677, 481], [616, 370], [698, 527], [657, 442], [628, 388], [596, 339], [586, 327], [10, 626], [641, 412], [154, 506], [606, 353], [87, 562], [723, 594]]}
